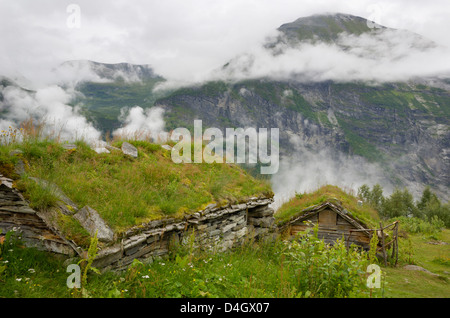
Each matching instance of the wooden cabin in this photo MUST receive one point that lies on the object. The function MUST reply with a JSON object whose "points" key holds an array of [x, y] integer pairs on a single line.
{"points": [[334, 223]]}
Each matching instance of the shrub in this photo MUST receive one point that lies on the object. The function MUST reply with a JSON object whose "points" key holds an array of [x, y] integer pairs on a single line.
{"points": [[324, 270], [416, 225]]}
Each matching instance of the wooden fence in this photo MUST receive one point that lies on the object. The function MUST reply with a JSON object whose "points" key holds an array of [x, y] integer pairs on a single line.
{"points": [[381, 232]]}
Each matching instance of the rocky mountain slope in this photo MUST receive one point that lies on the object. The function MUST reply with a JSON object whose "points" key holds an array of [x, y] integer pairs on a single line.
{"points": [[400, 126]]}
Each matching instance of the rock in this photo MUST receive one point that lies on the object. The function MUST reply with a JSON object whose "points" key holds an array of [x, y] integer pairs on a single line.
{"points": [[109, 147], [6, 181], [101, 150], [437, 243], [15, 152], [129, 149], [19, 168], [261, 222], [69, 146], [92, 222], [261, 212], [418, 268]]}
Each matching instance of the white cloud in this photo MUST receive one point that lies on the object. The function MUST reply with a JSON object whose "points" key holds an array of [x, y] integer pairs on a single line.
{"points": [[388, 55], [48, 106], [182, 40], [306, 171], [142, 124]]}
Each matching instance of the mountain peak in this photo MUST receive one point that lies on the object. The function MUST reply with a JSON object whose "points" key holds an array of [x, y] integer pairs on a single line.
{"points": [[326, 27], [96, 71]]}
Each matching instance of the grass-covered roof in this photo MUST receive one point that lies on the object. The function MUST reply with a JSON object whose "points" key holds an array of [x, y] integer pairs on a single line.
{"points": [[127, 191], [302, 203]]}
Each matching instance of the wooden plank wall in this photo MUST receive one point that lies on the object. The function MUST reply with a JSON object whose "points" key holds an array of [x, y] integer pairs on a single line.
{"points": [[332, 227]]}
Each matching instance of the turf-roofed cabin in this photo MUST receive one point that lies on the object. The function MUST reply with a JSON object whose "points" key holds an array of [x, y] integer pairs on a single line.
{"points": [[334, 222]]}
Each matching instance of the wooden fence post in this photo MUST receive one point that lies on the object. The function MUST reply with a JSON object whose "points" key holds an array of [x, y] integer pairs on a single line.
{"points": [[395, 246], [382, 244]]}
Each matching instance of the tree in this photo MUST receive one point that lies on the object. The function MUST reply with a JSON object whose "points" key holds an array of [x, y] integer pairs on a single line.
{"points": [[364, 193], [400, 203], [430, 206], [372, 197], [376, 196]]}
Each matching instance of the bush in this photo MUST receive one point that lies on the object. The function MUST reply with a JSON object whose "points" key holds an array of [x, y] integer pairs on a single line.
{"points": [[324, 270], [416, 225]]}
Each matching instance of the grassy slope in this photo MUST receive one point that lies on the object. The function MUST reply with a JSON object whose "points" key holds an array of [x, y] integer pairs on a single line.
{"points": [[300, 202], [252, 271], [418, 284], [256, 270], [126, 191]]}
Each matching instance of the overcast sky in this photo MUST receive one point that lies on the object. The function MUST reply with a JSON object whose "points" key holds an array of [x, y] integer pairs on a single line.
{"points": [[178, 36]]}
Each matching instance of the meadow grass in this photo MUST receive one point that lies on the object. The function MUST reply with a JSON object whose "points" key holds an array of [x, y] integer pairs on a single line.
{"points": [[127, 191], [263, 269], [253, 270]]}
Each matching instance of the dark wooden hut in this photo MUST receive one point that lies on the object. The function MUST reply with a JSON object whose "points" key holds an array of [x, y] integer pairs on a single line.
{"points": [[334, 222]]}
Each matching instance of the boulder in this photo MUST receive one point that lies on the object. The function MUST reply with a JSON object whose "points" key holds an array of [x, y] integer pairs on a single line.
{"points": [[101, 150], [109, 147], [418, 268], [92, 222], [129, 149], [69, 146], [15, 152]]}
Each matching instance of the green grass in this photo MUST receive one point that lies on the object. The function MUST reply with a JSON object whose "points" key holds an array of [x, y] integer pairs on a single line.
{"points": [[418, 284], [265, 269], [127, 191], [302, 201]]}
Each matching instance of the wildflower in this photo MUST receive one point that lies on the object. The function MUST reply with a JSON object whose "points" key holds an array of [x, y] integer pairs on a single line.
{"points": [[18, 279], [145, 276]]}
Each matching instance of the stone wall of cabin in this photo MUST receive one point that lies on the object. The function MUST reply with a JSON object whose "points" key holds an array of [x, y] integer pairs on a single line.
{"points": [[16, 215], [214, 228]]}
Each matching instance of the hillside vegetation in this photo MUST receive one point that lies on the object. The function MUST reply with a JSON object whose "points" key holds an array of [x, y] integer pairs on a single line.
{"points": [[126, 191], [302, 201]]}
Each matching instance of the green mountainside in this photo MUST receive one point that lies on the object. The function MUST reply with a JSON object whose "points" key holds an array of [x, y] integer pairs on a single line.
{"points": [[403, 126]]}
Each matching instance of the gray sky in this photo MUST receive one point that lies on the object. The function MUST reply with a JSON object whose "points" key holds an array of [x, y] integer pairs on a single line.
{"points": [[188, 37]]}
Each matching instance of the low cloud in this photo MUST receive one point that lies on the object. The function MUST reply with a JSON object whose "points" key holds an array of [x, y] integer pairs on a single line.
{"points": [[48, 106], [307, 170], [142, 124], [383, 55]]}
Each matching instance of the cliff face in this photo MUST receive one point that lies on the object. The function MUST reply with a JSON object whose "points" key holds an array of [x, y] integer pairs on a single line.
{"points": [[403, 127]]}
